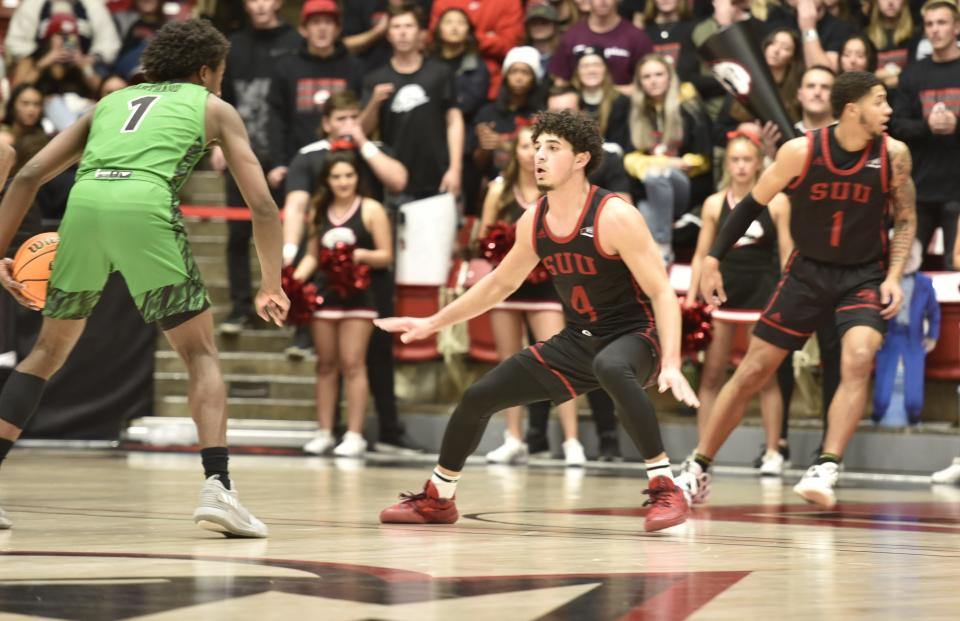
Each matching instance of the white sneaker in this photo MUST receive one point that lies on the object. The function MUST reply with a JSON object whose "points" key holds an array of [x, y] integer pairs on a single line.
{"points": [[694, 482], [512, 451], [352, 445], [322, 444], [949, 475], [573, 454], [817, 483], [771, 464], [220, 511], [5, 522]]}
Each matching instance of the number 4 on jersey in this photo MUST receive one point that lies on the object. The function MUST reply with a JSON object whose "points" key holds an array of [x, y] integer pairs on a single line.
{"points": [[581, 303], [138, 110]]}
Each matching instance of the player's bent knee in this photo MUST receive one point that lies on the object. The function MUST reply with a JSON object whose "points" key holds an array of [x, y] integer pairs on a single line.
{"points": [[610, 369]]}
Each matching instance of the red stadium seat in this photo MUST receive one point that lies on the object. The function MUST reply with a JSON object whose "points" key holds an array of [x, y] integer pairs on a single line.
{"points": [[416, 301]]}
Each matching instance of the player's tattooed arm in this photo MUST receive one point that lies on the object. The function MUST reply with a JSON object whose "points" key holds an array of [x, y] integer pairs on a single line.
{"points": [[903, 207]]}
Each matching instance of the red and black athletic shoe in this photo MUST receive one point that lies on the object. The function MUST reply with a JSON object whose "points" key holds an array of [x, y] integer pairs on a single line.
{"points": [[668, 507], [424, 508]]}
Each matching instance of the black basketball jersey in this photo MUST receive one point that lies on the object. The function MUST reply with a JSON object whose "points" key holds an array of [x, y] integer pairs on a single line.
{"points": [[840, 215], [597, 290]]}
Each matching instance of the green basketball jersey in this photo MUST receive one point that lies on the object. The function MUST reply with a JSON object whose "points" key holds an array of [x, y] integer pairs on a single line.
{"points": [[147, 131]]}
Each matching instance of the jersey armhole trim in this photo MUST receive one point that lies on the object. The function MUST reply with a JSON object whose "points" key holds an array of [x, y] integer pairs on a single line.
{"points": [[537, 209], [811, 147], [884, 166], [596, 230]]}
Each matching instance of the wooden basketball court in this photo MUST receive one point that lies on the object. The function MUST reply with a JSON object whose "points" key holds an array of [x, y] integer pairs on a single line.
{"points": [[107, 535]]}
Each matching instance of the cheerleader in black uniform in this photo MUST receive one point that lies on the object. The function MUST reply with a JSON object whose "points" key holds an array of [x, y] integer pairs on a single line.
{"points": [[342, 325], [507, 198], [750, 272]]}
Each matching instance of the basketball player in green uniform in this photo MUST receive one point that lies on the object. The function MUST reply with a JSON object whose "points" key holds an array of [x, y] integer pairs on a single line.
{"points": [[135, 151]]}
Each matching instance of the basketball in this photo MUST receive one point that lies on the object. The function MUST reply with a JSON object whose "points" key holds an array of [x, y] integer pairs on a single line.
{"points": [[33, 263]]}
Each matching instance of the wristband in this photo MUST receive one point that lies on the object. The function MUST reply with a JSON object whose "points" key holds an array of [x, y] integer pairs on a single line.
{"points": [[290, 251], [368, 150]]}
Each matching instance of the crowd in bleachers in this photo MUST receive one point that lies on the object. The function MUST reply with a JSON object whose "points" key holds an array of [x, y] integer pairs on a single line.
{"points": [[407, 100]]}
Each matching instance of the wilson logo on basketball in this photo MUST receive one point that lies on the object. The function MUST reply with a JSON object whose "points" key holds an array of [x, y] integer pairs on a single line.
{"points": [[43, 243]]}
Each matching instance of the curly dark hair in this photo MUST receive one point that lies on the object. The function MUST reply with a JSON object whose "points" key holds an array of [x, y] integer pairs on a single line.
{"points": [[180, 49], [850, 87], [578, 129]]}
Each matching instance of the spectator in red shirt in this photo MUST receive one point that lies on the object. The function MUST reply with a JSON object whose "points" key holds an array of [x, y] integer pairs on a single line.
{"points": [[498, 25]]}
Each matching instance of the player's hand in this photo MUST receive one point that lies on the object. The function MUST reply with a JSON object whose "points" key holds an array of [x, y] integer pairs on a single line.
{"points": [[411, 328], [929, 345], [272, 305], [891, 297], [711, 282], [673, 380], [15, 288], [807, 14]]}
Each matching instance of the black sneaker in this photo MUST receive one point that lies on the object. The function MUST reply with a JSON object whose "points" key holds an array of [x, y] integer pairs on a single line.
{"points": [[401, 445], [610, 449], [759, 460], [302, 345], [235, 323]]}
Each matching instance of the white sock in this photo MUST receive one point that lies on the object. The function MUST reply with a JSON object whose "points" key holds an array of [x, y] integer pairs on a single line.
{"points": [[446, 485], [659, 469]]}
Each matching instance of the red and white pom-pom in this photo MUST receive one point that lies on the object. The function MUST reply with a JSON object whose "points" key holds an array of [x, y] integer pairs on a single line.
{"points": [[497, 242], [303, 298], [344, 277], [697, 330]]}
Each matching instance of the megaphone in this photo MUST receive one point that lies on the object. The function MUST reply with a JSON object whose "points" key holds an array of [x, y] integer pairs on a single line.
{"points": [[736, 61]]}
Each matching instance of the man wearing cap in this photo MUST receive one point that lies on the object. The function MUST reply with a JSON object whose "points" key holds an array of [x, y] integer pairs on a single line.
{"points": [[925, 109], [623, 44], [80, 32], [542, 33], [304, 80], [497, 24]]}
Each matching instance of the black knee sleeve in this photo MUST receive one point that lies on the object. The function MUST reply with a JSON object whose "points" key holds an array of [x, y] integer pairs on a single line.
{"points": [[20, 398]]}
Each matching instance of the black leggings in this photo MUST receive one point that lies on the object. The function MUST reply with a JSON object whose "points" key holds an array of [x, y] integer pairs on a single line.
{"points": [[621, 368]]}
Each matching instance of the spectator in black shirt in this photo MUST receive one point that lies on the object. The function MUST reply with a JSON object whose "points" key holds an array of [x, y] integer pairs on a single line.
{"points": [[519, 99], [821, 34], [925, 110], [892, 31], [454, 43], [365, 29], [412, 101], [600, 99], [304, 80], [246, 84]]}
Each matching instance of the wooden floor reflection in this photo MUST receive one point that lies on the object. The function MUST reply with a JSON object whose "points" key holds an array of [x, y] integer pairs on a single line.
{"points": [[106, 536]]}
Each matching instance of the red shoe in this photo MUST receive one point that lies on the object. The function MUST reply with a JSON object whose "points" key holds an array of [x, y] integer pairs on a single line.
{"points": [[424, 508], [668, 507]]}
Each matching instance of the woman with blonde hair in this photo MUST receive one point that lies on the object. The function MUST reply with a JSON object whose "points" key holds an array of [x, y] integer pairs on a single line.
{"points": [[537, 303], [600, 98], [891, 30], [670, 135], [750, 271]]}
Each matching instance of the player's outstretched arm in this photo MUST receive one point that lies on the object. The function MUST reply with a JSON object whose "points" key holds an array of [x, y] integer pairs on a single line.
{"points": [[487, 293], [225, 126], [59, 154], [903, 210], [790, 162], [623, 231]]}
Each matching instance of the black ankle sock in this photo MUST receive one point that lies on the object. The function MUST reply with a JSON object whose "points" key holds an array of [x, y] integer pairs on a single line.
{"points": [[215, 464], [5, 446], [703, 461], [831, 458]]}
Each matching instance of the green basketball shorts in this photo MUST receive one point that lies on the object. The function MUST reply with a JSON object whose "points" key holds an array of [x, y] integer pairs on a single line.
{"points": [[131, 226]]}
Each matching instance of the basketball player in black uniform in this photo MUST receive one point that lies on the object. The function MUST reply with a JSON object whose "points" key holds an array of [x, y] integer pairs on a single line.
{"points": [[843, 182], [611, 282]]}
